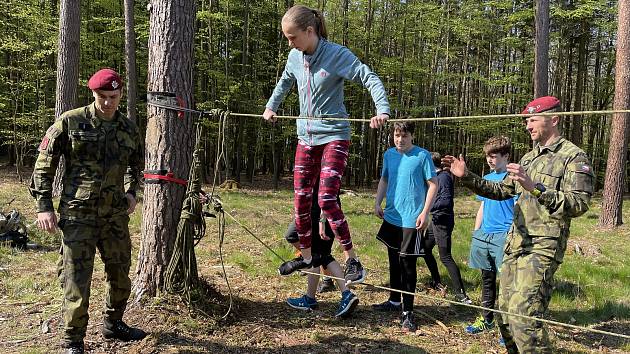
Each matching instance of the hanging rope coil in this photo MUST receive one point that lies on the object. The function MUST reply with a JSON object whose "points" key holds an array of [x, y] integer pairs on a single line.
{"points": [[181, 275]]}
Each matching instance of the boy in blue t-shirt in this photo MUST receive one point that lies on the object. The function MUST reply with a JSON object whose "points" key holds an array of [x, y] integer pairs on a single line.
{"points": [[409, 182], [493, 221]]}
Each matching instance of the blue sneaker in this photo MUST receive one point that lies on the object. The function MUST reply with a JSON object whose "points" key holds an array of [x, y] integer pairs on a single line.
{"points": [[480, 325], [501, 342], [348, 303], [304, 303]]}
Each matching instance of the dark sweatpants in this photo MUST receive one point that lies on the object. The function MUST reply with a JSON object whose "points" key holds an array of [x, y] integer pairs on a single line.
{"points": [[440, 235]]}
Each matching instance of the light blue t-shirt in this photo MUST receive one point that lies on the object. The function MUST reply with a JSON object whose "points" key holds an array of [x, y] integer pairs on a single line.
{"points": [[406, 176], [497, 214]]}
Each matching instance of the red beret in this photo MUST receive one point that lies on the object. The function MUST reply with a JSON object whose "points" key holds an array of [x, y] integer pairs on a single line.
{"points": [[105, 79], [541, 104]]}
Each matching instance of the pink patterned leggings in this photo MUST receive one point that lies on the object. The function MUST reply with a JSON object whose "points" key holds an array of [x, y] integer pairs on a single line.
{"points": [[329, 161]]}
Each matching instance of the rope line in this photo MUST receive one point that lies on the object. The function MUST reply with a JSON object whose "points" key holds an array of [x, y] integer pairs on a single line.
{"points": [[430, 119], [557, 323], [412, 119]]}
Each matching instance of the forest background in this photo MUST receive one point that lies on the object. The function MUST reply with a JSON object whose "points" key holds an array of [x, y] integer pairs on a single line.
{"points": [[436, 59]]}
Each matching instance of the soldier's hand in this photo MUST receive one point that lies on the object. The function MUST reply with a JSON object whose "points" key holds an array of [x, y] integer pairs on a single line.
{"points": [[517, 173], [47, 221], [132, 203], [457, 166]]}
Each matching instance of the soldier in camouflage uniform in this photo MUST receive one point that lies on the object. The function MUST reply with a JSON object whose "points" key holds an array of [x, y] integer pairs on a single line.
{"points": [[102, 164], [555, 184]]}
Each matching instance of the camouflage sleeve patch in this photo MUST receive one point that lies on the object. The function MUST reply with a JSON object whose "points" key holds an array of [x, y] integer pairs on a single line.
{"points": [[583, 175]]}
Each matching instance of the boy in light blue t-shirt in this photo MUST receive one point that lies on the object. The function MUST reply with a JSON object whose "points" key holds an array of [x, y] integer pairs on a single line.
{"points": [[409, 182], [493, 221]]}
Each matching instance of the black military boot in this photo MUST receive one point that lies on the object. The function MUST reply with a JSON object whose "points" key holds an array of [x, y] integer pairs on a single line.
{"points": [[74, 348], [119, 330]]}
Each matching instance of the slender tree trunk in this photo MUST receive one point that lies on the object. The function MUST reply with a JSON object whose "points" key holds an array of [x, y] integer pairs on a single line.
{"points": [[612, 202], [130, 60], [583, 39], [541, 64], [169, 140], [67, 69]]}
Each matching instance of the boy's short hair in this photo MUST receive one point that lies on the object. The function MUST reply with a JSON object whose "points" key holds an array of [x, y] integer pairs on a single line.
{"points": [[405, 127], [437, 159], [498, 145]]}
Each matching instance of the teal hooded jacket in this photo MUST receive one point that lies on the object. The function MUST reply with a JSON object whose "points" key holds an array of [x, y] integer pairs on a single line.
{"points": [[320, 78]]}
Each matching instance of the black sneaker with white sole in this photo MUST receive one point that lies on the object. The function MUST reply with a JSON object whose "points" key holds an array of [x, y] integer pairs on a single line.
{"points": [[326, 285], [354, 272], [298, 263]]}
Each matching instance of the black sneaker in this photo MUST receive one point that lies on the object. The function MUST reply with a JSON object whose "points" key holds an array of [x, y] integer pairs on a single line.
{"points": [[74, 348], [297, 263], [326, 285], [354, 272], [408, 322], [119, 330], [386, 306], [463, 298]]}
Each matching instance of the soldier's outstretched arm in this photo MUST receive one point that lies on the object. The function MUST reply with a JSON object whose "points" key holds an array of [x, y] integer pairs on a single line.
{"points": [[577, 188], [493, 190]]}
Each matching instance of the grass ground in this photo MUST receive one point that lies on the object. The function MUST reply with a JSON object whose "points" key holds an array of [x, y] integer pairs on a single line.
{"points": [[593, 290]]}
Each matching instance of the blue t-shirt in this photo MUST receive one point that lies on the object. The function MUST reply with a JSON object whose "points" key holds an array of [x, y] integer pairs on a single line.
{"points": [[497, 214], [406, 176]]}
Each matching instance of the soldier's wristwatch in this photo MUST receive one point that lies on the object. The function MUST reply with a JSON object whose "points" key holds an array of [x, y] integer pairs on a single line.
{"points": [[539, 188]]}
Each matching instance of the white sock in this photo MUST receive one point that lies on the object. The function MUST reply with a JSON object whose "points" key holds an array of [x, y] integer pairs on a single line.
{"points": [[308, 260]]}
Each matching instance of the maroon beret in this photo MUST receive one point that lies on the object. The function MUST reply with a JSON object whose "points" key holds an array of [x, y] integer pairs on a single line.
{"points": [[541, 104], [105, 79]]}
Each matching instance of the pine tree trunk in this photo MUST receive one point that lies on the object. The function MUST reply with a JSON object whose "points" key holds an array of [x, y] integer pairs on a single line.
{"points": [[130, 60], [67, 69], [541, 64], [617, 152], [169, 139]]}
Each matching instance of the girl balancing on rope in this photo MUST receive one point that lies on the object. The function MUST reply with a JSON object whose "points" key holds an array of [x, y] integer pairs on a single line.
{"points": [[319, 69]]}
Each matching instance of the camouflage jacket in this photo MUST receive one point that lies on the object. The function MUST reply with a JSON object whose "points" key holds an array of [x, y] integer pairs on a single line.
{"points": [[541, 225], [102, 163]]}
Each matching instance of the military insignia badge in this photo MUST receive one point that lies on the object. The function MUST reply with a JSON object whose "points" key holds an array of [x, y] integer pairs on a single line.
{"points": [[44, 144], [114, 84]]}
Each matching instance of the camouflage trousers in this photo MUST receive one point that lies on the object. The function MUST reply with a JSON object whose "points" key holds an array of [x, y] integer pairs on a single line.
{"points": [[76, 265], [526, 282]]}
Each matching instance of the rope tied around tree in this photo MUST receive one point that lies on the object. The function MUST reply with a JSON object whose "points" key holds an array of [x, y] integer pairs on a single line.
{"points": [[181, 275]]}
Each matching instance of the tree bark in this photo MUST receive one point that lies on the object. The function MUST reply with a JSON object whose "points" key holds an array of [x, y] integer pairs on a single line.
{"points": [[612, 202], [169, 139], [583, 39], [67, 69], [541, 64], [130, 60]]}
